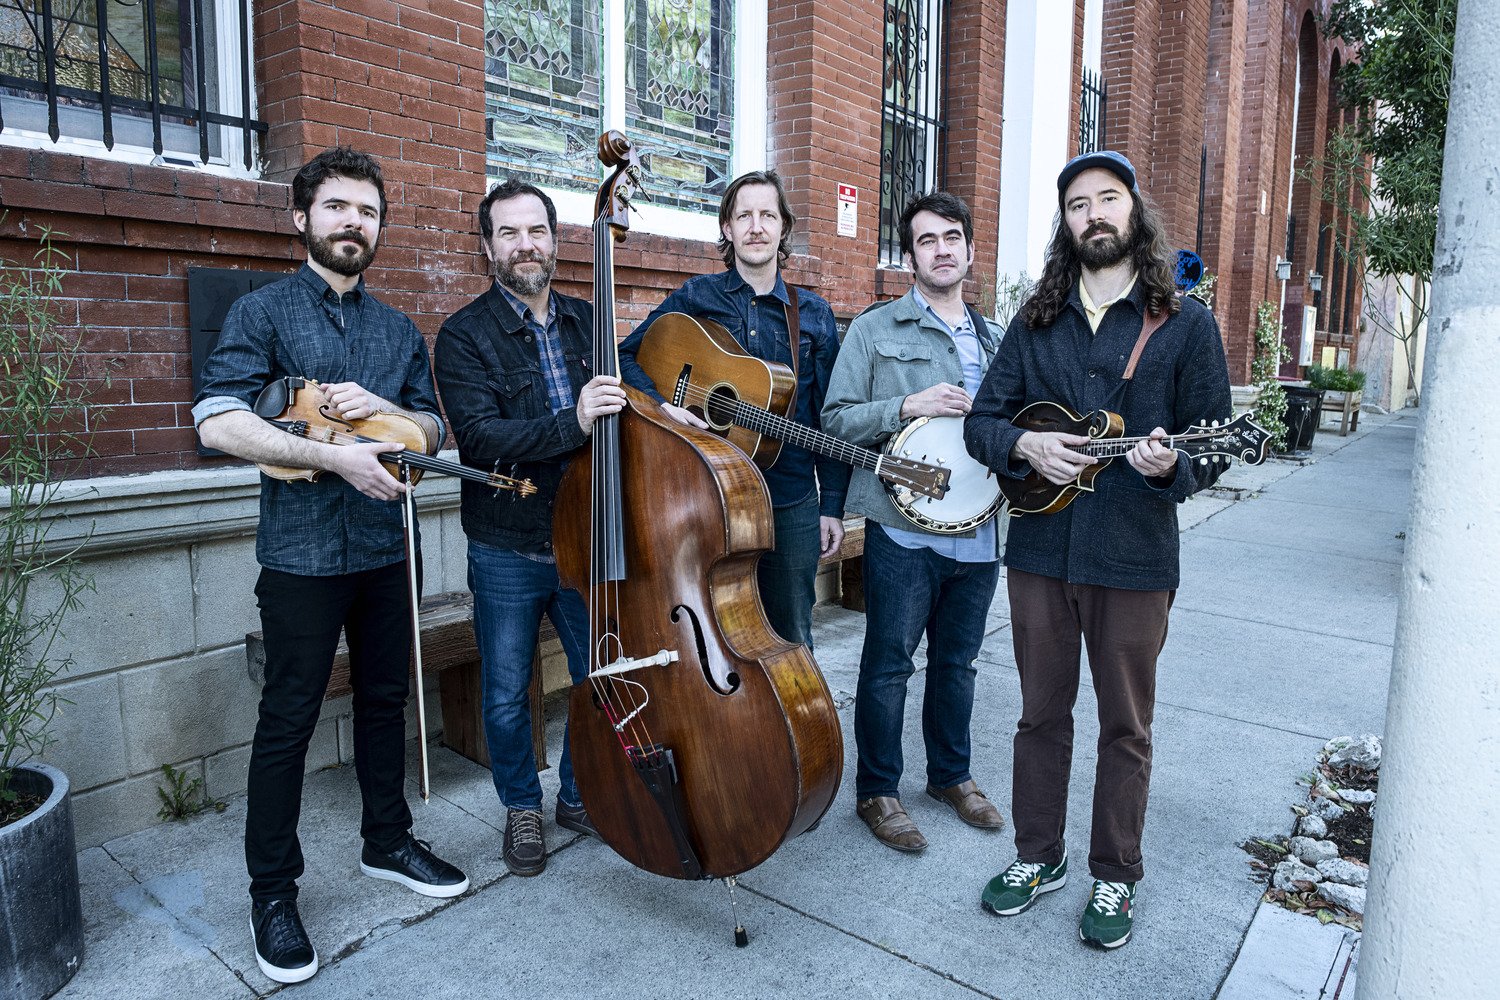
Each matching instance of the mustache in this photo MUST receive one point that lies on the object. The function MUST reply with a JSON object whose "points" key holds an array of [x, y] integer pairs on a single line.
{"points": [[353, 236], [1098, 228]]}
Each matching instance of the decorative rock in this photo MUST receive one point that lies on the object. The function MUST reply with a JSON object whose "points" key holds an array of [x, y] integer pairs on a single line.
{"points": [[1357, 796], [1290, 871], [1313, 826], [1310, 851], [1345, 872], [1362, 752], [1350, 897], [1327, 809]]}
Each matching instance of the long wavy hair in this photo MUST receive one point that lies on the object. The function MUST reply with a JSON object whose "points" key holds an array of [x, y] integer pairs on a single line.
{"points": [[1155, 266]]}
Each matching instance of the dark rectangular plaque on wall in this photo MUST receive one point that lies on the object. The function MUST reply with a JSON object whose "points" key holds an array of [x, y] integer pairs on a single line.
{"points": [[211, 291]]}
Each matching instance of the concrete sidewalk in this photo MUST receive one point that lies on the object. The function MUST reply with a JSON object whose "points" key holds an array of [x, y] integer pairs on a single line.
{"points": [[1281, 638]]}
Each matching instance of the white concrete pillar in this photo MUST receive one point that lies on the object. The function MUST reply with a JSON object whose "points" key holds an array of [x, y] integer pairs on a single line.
{"points": [[1034, 144], [1435, 881]]}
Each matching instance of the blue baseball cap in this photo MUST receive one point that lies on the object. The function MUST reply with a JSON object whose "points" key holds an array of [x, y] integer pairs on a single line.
{"points": [[1103, 159]]}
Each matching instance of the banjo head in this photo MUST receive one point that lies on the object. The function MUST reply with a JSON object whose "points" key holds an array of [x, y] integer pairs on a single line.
{"points": [[973, 494]]}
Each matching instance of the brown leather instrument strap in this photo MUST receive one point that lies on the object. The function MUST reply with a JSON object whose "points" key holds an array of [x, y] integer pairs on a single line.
{"points": [[1150, 325], [794, 342]]}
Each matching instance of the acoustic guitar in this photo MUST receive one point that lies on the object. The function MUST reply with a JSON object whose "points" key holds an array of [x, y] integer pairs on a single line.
{"points": [[697, 364], [1241, 439]]}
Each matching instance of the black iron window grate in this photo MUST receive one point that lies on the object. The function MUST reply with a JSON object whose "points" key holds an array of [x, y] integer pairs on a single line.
{"points": [[1091, 102], [129, 70], [912, 120]]}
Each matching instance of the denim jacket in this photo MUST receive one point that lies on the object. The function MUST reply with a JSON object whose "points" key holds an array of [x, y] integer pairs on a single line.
{"points": [[489, 373], [891, 351]]}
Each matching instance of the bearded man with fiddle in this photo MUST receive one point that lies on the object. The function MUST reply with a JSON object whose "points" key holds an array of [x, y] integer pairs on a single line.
{"points": [[332, 551], [1102, 570], [764, 314], [513, 369]]}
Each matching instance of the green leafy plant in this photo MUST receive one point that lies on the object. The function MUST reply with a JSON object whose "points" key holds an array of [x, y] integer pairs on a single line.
{"points": [[1385, 170], [1203, 291], [1335, 379], [182, 797], [1270, 353], [41, 420]]}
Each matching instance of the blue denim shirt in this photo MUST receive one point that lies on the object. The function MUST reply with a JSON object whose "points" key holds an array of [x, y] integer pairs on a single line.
{"points": [[549, 349], [300, 327], [758, 322]]}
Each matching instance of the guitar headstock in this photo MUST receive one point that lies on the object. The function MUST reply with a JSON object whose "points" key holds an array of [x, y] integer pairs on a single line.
{"points": [[922, 478], [1240, 438]]}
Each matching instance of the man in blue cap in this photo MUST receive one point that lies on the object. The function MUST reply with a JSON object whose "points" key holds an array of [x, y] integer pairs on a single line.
{"points": [[1101, 572]]}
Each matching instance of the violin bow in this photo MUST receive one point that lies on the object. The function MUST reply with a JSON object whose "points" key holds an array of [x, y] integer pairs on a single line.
{"points": [[409, 524]]}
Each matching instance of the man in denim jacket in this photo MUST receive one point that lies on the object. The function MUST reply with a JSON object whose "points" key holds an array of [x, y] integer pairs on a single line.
{"points": [[513, 370], [921, 355]]}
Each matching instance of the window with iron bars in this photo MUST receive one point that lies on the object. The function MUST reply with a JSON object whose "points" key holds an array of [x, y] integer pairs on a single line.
{"points": [[912, 120], [1091, 112], [164, 80]]}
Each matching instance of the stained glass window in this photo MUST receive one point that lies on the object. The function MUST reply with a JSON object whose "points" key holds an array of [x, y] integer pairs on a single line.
{"points": [[679, 92], [542, 90]]}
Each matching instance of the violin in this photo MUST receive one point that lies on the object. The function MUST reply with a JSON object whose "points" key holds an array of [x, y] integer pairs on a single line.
{"points": [[300, 407], [702, 740]]}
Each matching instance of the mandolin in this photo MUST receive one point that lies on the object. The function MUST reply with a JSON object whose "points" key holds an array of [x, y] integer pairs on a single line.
{"points": [[697, 364], [1240, 439]]}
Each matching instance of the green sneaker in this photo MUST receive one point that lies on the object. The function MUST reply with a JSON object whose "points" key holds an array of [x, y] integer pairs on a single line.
{"points": [[1015, 889], [1107, 918]]}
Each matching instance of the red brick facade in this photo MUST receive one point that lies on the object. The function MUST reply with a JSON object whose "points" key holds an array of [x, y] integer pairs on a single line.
{"points": [[1217, 77], [405, 81]]}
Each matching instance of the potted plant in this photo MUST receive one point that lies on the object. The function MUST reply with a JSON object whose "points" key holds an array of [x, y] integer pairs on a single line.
{"points": [[1343, 391], [1269, 393], [41, 408]]}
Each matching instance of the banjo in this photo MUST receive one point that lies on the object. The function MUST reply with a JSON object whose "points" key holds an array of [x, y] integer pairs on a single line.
{"points": [[973, 495]]}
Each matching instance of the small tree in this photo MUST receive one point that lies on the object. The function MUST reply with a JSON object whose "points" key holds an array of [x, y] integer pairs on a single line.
{"points": [[41, 412], [1398, 91], [1270, 352]]}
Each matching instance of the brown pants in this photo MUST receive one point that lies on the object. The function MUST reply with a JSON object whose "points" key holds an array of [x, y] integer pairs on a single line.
{"points": [[1124, 631]]}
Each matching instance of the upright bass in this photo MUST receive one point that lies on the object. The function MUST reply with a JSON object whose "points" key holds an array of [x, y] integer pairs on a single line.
{"points": [[701, 740]]}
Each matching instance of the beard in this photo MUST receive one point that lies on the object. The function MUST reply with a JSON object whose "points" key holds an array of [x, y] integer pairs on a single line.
{"points": [[530, 282], [338, 259], [1097, 254]]}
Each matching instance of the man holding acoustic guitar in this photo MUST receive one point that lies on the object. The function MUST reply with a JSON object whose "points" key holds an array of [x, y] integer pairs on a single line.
{"points": [[766, 316], [1104, 330], [331, 551], [917, 359]]}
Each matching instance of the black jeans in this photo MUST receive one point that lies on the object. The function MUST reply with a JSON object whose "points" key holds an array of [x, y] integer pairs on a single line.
{"points": [[300, 619]]}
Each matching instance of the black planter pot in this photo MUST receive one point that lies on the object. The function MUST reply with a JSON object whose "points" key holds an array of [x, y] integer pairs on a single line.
{"points": [[1304, 410], [41, 919]]}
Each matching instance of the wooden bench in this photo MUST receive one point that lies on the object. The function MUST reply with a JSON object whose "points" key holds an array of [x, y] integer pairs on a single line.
{"points": [[850, 560], [450, 652], [1346, 406]]}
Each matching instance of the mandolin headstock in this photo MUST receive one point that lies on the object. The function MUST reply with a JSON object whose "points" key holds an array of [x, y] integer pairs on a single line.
{"points": [[1240, 438]]}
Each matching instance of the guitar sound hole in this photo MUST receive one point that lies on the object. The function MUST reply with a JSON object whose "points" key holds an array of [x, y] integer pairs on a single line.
{"points": [[718, 408]]}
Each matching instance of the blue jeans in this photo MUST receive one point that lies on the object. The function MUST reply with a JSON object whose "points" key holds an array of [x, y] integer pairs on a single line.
{"points": [[787, 573], [510, 594], [909, 592]]}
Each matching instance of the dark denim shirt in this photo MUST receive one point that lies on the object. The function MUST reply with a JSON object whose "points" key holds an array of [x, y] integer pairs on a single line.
{"points": [[758, 323], [549, 348], [1124, 534], [300, 327]]}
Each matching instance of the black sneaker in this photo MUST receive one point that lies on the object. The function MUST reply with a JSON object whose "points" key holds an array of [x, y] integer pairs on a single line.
{"points": [[282, 949], [525, 852], [575, 818], [416, 867]]}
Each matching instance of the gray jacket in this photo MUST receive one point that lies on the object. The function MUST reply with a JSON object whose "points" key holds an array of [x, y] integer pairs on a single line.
{"points": [[891, 351]]}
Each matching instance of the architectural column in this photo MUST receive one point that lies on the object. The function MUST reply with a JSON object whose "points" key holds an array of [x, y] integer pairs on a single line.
{"points": [[1427, 932]]}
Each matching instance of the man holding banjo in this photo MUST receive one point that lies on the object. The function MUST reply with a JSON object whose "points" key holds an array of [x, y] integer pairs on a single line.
{"points": [[921, 356]]}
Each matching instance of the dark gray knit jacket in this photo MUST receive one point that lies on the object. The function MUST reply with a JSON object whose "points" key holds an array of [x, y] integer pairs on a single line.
{"points": [[1125, 533]]}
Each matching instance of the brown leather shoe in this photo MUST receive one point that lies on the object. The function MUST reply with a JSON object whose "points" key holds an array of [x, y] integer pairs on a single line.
{"points": [[970, 804], [890, 824]]}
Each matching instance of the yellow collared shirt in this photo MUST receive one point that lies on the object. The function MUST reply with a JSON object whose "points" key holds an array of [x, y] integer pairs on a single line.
{"points": [[1095, 313]]}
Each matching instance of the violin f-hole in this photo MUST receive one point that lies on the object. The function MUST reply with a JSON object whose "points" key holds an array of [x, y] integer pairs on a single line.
{"points": [[730, 682]]}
